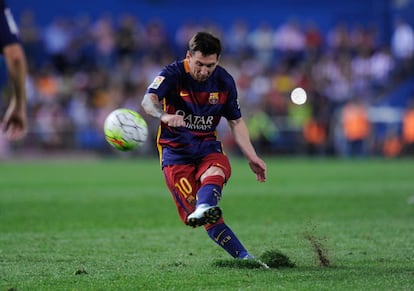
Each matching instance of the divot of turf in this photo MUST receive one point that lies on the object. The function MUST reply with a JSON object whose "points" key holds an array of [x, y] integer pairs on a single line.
{"points": [[272, 258], [234, 263], [276, 259]]}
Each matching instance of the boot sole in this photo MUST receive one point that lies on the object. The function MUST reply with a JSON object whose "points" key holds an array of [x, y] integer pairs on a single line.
{"points": [[211, 216]]}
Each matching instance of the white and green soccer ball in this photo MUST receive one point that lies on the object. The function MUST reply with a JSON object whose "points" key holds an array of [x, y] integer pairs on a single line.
{"points": [[125, 129]]}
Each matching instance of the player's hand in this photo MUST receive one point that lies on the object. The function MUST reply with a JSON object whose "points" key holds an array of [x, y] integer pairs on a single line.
{"points": [[258, 167], [14, 123], [173, 120]]}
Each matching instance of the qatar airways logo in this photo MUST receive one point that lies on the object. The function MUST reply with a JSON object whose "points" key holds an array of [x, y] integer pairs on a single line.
{"points": [[196, 122]]}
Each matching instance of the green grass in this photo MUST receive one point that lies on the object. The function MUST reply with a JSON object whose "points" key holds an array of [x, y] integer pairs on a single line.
{"points": [[111, 225]]}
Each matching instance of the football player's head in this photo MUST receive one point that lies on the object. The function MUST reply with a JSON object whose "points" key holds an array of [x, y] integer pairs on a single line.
{"points": [[203, 55]]}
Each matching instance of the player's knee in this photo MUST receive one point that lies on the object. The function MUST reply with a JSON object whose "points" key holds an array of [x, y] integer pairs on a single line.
{"points": [[214, 170], [214, 175], [214, 179]]}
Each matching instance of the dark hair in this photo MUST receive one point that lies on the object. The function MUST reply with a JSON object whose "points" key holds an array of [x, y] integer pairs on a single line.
{"points": [[206, 43]]}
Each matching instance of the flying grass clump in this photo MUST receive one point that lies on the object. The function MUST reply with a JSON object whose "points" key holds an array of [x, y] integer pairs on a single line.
{"points": [[276, 259], [269, 259], [81, 271]]}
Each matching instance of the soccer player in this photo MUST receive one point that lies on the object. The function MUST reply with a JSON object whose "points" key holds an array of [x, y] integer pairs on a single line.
{"points": [[190, 97], [14, 122]]}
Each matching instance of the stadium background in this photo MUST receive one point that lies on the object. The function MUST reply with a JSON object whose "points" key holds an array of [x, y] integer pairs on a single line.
{"points": [[87, 58]]}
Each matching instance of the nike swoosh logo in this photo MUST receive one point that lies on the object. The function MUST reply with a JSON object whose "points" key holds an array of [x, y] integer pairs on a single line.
{"points": [[218, 236], [183, 94]]}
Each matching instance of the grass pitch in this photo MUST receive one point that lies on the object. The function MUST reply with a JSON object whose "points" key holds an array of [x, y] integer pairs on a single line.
{"points": [[111, 225]]}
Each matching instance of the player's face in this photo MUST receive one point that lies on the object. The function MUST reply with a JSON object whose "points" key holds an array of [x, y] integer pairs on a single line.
{"points": [[201, 66]]}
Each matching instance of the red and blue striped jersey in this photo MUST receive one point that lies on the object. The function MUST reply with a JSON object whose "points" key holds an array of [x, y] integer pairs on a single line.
{"points": [[201, 103]]}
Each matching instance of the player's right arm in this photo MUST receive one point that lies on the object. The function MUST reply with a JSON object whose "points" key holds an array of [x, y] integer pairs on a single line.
{"points": [[152, 107]]}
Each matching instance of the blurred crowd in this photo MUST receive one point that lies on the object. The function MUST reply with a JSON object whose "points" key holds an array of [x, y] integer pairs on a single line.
{"points": [[81, 69]]}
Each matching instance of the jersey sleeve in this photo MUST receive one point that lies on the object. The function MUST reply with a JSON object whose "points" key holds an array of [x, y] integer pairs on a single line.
{"points": [[164, 82], [8, 27], [232, 108]]}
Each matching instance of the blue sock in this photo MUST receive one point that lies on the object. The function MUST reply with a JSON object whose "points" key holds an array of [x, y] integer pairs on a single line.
{"points": [[209, 194], [225, 238]]}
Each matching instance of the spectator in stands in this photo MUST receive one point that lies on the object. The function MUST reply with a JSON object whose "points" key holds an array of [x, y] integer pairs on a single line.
{"points": [[103, 34], [313, 40], [290, 41], [157, 42], [356, 127], [315, 136], [361, 74], [339, 39], [402, 45], [130, 37], [57, 38], [236, 44], [31, 37], [382, 65], [261, 41], [333, 78], [392, 145], [263, 131], [408, 130]]}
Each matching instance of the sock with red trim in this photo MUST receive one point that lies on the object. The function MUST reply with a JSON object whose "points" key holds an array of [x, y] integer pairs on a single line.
{"points": [[210, 190]]}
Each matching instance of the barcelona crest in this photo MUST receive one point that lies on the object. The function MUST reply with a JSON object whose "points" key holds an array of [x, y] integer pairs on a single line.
{"points": [[213, 98]]}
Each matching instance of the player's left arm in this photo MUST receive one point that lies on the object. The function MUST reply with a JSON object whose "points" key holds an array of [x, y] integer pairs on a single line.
{"points": [[242, 138]]}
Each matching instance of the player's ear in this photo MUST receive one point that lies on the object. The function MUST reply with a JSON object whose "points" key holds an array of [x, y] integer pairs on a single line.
{"points": [[187, 55]]}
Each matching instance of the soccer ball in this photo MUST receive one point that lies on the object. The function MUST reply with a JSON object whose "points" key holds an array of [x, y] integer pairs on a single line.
{"points": [[125, 129]]}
